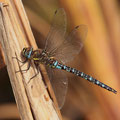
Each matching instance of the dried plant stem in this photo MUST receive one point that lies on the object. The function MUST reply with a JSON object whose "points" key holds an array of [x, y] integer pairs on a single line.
{"points": [[32, 99]]}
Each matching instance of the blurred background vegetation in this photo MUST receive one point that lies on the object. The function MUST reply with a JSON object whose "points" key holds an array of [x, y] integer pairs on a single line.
{"points": [[100, 57]]}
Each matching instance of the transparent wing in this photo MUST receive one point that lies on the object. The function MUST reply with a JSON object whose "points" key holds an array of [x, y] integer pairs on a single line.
{"points": [[59, 84], [71, 45], [58, 28]]}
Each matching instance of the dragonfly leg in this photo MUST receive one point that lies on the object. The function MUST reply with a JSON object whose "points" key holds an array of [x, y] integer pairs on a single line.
{"points": [[34, 75], [20, 60], [25, 69]]}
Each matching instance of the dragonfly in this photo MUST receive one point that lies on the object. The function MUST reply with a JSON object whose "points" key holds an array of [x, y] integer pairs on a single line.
{"points": [[60, 49]]}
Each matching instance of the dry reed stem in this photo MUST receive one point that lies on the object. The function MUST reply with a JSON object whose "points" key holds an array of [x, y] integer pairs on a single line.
{"points": [[32, 99]]}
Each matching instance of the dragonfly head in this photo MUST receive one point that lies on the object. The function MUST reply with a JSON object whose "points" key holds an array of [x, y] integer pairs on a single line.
{"points": [[27, 52]]}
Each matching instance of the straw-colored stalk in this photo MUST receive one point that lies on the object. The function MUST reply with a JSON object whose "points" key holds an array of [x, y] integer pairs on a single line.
{"points": [[33, 100]]}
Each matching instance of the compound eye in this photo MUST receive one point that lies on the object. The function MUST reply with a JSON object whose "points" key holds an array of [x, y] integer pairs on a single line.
{"points": [[23, 51]]}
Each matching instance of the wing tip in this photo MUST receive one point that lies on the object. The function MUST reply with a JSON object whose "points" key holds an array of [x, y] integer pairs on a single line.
{"points": [[77, 26], [59, 9], [56, 11]]}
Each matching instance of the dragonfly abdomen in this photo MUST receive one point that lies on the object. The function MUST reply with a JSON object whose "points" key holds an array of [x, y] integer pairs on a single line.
{"points": [[58, 65]]}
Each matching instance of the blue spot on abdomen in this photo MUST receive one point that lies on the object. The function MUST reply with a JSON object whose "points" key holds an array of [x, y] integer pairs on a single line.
{"points": [[58, 67], [55, 63]]}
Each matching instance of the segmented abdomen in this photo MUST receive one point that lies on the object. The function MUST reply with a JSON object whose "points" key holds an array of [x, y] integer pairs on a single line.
{"points": [[58, 65]]}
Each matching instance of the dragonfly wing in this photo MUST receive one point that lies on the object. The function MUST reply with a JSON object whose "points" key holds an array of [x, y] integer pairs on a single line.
{"points": [[72, 45], [58, 28], [59, 82]]}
